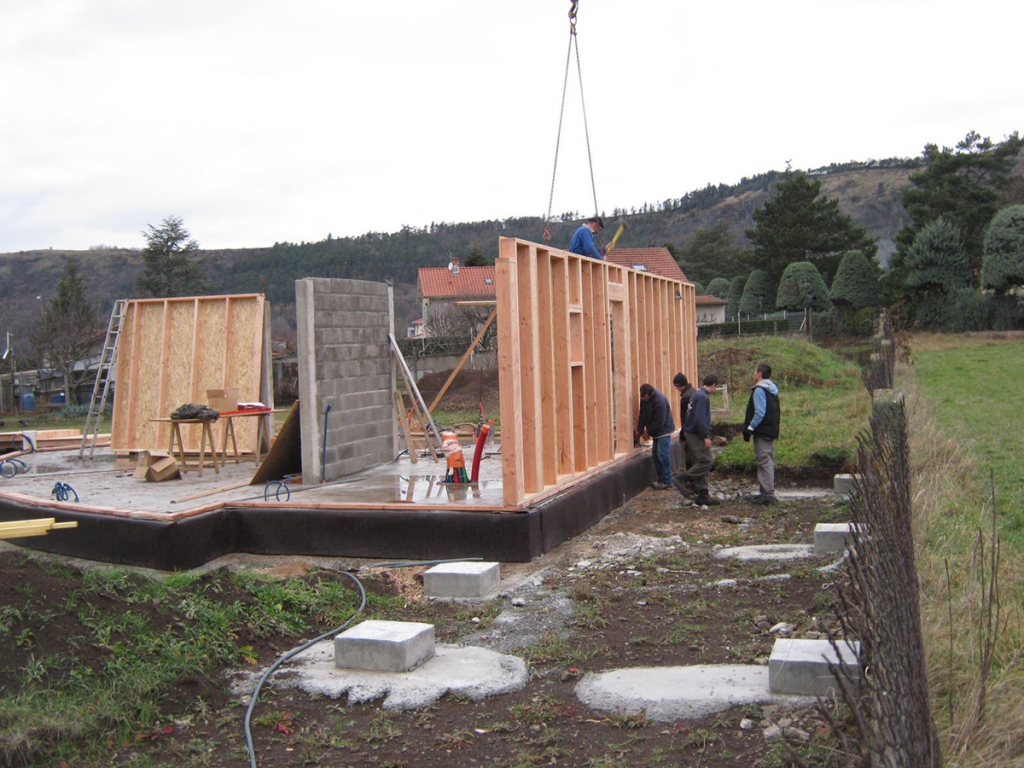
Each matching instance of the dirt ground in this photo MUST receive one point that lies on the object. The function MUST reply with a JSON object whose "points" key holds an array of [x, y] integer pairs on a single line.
{"points": [[641, 589]]}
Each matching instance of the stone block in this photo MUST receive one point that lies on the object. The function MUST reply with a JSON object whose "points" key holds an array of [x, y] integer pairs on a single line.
{"points": [[831, 537], [467, 579], [384, 646], [800, 667], [843, 484]]}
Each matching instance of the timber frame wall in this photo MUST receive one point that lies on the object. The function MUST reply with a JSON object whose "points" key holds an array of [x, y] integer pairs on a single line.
{"points": [[172, 350], [576, 339]]}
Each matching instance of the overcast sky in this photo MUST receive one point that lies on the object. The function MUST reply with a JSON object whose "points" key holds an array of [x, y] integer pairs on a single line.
{"points": [[259, 121]]}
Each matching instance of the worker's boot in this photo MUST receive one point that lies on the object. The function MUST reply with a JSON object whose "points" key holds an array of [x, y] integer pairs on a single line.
{"points": [[706, 499]]}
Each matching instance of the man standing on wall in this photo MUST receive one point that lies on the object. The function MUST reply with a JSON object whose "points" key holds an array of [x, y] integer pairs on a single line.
{"points": [[583, 241], [697, 431], [656, 421], [762, 424]]}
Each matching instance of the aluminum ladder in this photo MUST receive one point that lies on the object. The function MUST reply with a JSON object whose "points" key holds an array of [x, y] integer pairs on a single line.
{"points": [[101, 387]]}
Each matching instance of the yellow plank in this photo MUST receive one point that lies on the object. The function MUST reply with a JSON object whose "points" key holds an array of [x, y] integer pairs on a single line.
{"points": [[510, 392]]}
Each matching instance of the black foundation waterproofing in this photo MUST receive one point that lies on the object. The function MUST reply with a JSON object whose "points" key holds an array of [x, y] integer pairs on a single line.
{"points": [[414, 534]]}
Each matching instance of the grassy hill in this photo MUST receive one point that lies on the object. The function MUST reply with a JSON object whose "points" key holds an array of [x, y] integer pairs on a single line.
{"points": [[870, 195]]}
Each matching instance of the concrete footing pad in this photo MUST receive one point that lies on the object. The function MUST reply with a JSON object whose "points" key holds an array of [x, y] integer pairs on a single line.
{"points": [[843, 484], [831, 537], [467, 579], [666, 694], [767, 552], [384, 646], [801, 667], [475, 673]]}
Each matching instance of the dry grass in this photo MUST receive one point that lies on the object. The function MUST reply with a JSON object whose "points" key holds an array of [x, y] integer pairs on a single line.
{"points": [[970, 622]]}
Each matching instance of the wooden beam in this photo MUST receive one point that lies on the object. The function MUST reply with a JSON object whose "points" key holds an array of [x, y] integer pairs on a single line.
{"points": [[465, 357]]}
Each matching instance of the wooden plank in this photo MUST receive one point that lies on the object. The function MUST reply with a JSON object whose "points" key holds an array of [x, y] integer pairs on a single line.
{"points": [[604, 447], [285, 455], [509, 384], [546, 369], [562, 365], [529, 352]]}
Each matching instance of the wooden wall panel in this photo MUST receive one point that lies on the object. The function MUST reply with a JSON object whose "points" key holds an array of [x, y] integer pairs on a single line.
{"points": [[171, 351], [576, 338]]}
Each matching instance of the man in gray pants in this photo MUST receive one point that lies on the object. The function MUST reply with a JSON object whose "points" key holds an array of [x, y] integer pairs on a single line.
{"points": [[762, 424], [697, 432]]}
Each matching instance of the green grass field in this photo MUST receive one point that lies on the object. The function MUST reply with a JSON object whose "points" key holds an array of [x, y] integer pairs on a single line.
{"points": [[972, 388]]}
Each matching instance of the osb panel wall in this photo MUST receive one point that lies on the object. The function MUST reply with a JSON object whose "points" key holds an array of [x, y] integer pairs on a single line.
{"points": [[171, 351], [576, 339]]}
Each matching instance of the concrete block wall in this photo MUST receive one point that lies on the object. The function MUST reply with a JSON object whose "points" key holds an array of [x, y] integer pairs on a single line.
{"points": [[345, 362]]}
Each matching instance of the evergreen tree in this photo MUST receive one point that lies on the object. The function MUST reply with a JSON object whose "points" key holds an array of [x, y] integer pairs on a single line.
{"points": [[171, 262], [802, 288], [67, 331], [938, 263], [709, 253], [964, 186], [758, 294], [1003, 265], [795, 225], [476, 258], [719, 288], [856, 283], [698, 289], [735, 294]]}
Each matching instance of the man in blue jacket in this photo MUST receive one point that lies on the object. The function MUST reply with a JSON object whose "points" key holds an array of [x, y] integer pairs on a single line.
{"points": [[697, 431], [583, 241], [656, 420], [762, 424]]}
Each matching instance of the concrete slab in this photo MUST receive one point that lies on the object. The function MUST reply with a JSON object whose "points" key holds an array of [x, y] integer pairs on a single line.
{"points": [[467, 579], [667, 694], [767, 552], [475, 673], [384, 646], [843, 484], [831, 537], [800, 667]]}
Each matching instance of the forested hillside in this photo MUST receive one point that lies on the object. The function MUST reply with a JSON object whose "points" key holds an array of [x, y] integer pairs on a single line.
{"points": [[869, 193]]}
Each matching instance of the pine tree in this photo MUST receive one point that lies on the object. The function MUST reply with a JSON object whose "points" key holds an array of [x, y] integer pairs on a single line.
{"points": [[735, 294], [795, 225], [1003, 265], [171, 263], [758, 294], [856, 283], [68, 331], [802, 288]]}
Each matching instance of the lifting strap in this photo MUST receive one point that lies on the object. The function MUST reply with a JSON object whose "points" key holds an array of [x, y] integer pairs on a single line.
{"points": [[573, 46]]}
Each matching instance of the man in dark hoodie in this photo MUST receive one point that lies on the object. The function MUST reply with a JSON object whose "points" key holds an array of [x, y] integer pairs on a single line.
{"points": [[657, 422], [697, 431], [685, 390], [762, 425]]}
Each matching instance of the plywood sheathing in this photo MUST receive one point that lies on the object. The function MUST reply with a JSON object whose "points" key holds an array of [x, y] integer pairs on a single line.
{"points": [[576, 339], [172, 350]]}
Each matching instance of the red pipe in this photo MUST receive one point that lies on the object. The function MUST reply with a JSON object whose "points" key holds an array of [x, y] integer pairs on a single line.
{"points": [[478, 452]]}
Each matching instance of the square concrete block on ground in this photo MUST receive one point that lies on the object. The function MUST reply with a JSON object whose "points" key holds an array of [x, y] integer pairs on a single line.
{"points": [[384, 646], [843, 484], [831, 537], [468, 579], [801, 666]]}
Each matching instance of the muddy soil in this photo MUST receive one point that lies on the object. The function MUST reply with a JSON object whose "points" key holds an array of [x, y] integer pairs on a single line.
{"points": [[641, 589]]}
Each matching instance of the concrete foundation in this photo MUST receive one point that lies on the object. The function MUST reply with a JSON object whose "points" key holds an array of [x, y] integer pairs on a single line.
{"points": [[801, 666], [831, 537], [843, 484], [384, 646], [468, 579]]}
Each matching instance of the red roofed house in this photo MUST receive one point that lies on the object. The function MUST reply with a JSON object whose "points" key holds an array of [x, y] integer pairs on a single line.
{"points": [[657, 261], [440, 287], [710, 309]]}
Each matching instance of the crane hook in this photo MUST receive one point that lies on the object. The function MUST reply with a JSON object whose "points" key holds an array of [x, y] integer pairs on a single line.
{"points": [[573, 7]]}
